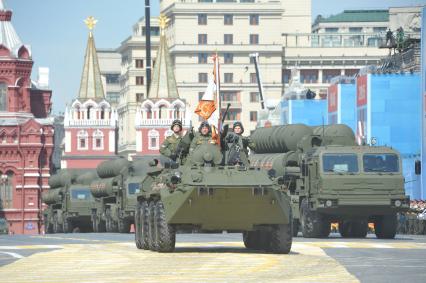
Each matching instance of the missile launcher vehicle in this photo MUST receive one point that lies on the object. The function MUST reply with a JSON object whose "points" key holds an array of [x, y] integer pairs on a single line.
{"points": [[69, 202], [332, 179], [207, 194], [114, 194]]}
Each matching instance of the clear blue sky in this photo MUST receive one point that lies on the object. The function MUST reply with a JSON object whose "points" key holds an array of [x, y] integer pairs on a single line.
{"points": [[57, 35]]}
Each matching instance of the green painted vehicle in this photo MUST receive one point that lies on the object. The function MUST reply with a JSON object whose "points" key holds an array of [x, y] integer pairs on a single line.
{"points": [[208, 195], [69, 202], [114, 194], [331, 179]]}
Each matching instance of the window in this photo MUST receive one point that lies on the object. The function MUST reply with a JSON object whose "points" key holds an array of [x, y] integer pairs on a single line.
{"points": [[139, 80], [229, 58], [228, 20], [202, 38], [112, 78], [162, 112], [229, 95], [81, 194], [254, 39], [134, 188], [355, 29], [254, 20], [139, 63], [155, 31], [89, 110], [153, 137], [229, 77], [98, 140], [139, 97], [113, 97], [331, 30], [380, 163], [340, 163], [202, 19], [202, 58], [286, 75], [202, 77], [6, 189], [253, 78], [379, 29], [149, 112], [177, 112], [308, 76], [82, 138], [200, 95], [253, 116], [254, 97], [228, 39], [3, 97], [327, 75], [102, 113], [233, 115]]}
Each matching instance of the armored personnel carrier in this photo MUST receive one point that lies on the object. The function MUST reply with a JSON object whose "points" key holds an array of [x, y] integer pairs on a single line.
{"points": [[332, 179], [114, 194], [208, 195], [69, 202]]}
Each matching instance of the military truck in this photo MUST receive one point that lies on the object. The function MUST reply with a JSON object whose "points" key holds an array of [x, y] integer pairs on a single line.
{"points": [[69, 202], [332, 179], [208, 195], [115, 194]]}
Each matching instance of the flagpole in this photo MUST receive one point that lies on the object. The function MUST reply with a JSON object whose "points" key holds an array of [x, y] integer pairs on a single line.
{"points": [[219, 99]]}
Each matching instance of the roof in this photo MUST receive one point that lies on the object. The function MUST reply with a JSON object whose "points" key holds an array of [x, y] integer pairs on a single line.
{"points": [[8, 36], [357, 16], [163, 83], [91, 86]]}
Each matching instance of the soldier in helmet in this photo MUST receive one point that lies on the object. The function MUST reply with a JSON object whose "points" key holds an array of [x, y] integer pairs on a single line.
{"points": [[246, 141], [204, 136], [169, 148]]}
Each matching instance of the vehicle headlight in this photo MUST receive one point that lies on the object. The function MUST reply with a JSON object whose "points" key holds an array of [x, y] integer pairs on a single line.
{"points": [[328, 203], [398, 203]]}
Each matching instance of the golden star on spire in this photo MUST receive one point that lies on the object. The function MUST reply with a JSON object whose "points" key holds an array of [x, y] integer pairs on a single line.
{"points": [[163, 21], [90, 23]]}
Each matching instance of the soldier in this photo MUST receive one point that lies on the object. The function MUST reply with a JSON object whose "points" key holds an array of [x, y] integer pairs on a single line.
{"points": [[246, 141], [169, 147], [389, 38], [202, 137]]}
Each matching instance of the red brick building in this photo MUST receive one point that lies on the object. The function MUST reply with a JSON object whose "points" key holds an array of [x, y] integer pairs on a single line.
{"points": [[26, 133], [90, 121]]}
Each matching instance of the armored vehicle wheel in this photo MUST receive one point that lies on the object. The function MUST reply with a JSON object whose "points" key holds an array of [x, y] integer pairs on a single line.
{"points": [[57, 228], [281, 238], [138, 225], [152, 231], [353, 229], [313, 224], [251, 239], [124, 226], [111, 225], [264, 242], [141, 226], [385, 226], [68, 226], [296, 226], [165, 233]]}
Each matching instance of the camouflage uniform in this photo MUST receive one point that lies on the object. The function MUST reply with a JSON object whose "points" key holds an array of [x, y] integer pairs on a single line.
{"points": [[170, 145], [198, 140]]}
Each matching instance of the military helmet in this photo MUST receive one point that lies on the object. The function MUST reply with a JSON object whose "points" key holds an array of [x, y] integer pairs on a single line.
{"points": [[239, 124], [176, 122], [204, 124]]}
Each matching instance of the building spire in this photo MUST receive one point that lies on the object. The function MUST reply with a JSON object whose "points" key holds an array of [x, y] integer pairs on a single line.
{"points": [[163, 83], [2, 6], [91, 86]]}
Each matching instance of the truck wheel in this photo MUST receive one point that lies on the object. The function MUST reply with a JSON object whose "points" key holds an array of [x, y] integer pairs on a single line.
{"points": [[138, 226], [251, 239], [385, 226], [281, 238], [264, 242], [359, 229], [296, 226], [98, 224], [141, 226], [311, 222], [57, 228], [123, 226], [152, 235], [166, 235]]}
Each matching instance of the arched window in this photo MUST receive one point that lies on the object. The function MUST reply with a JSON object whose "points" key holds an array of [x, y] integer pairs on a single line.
{"points": [[162, 112], [6, 189], [177, 112], [3, 138], [98, 140], [89, 108], [153, 140], [82, 140], [102, 113], [149, 112], [3, 97], [77, 113]]}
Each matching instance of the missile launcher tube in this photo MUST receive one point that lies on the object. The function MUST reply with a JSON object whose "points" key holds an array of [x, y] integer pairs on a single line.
{"points": [[280, 162], [337, 130], [86, 178], [62, 179], [52, 196], [279, 139], [103, 187], [112, 168]]}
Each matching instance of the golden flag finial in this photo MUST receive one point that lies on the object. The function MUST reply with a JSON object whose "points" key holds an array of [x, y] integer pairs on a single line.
{"points": [[163, 21], [90, 23]]}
